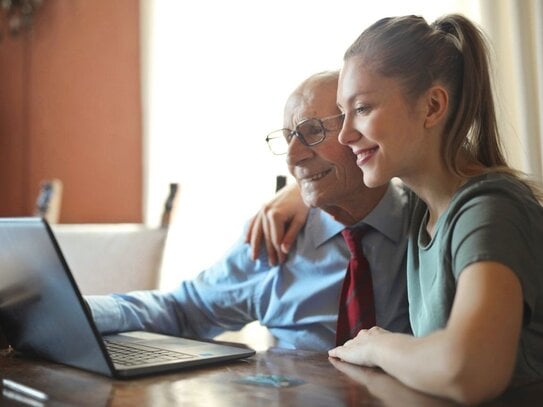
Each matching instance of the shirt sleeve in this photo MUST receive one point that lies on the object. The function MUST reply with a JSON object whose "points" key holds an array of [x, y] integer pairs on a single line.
{"points": [[220, 298]]}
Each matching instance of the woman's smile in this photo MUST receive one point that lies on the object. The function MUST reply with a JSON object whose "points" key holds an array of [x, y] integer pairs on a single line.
{"points": [[364, 155]]}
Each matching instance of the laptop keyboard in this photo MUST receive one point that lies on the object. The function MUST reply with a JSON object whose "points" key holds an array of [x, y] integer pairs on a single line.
{"points": [[131, 354]]}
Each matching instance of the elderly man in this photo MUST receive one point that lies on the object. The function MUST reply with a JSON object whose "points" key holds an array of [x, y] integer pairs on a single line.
{"points": [[298, 299]]}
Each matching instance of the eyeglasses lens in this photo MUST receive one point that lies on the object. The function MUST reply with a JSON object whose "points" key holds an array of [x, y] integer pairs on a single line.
{"points": [[277, 141], [311, 131]]}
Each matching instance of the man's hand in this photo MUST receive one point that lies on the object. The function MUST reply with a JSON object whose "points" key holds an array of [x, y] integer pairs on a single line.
{"points": [[278, 223]]}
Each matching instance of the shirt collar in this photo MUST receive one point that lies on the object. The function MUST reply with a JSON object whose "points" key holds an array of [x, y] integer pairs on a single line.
{"points": [[388, 218], [321, 227]]}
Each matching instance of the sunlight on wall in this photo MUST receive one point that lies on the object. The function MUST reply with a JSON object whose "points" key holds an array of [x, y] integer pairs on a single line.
{"points": [[215, 77]]}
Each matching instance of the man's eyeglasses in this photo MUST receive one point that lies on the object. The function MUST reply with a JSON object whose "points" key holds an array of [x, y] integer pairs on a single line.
{"points": [[310, 132]]}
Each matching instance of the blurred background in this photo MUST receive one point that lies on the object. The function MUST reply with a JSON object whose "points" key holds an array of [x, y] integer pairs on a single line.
{"points": [[118, 99]]}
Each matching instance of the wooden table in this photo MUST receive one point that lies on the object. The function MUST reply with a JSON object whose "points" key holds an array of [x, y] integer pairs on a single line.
{"points": [[314, 381]]}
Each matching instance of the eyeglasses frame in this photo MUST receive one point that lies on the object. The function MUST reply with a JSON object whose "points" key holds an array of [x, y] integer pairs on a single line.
{"points": [[301, 137]]}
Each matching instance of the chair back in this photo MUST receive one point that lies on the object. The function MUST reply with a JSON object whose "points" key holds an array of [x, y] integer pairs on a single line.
{"points": [[116, 258]]}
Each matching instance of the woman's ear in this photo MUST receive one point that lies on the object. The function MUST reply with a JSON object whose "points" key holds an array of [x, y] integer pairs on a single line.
{"points": [[437, 105]]}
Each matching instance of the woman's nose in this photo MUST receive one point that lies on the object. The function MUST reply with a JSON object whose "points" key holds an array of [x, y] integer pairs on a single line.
{"points": [[348, 133]]}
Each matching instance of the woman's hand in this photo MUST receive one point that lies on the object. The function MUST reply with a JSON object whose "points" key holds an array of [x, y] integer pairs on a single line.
{"points": [[359, 349], [278, 224]]}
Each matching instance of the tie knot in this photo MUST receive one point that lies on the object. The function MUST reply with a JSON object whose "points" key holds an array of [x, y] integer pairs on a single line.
{"points": [[353, 237]]}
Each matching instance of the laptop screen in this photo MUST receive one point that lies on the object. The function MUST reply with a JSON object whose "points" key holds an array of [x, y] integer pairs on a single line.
{"points": [[41, 308]]}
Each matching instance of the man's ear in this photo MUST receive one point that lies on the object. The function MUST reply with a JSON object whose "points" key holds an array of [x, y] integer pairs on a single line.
{"points": [[437, 106]]}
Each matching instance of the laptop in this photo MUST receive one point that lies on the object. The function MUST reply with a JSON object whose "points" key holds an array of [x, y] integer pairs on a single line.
{"points": [[42, 312]]}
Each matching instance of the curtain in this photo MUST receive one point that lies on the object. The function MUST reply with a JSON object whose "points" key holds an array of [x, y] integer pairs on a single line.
{"points": [[516, 32]]}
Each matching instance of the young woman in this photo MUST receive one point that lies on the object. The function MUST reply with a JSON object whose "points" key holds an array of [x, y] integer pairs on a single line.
{"points": [[418, 105]]}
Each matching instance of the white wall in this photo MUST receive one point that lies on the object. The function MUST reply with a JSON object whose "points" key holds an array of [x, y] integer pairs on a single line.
{"points": [[215, 78]]}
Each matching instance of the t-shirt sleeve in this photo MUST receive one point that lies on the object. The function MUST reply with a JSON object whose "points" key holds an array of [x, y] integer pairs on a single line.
{"points": [[495, 228]]}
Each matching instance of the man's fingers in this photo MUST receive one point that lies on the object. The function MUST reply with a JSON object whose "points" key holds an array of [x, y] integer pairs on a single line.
{"points": [[255, 236], [249, 232], [270, 249], [290, 235]]}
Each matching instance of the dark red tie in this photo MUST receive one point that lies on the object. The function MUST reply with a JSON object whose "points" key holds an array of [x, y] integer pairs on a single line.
{"points": [[356, 306]]}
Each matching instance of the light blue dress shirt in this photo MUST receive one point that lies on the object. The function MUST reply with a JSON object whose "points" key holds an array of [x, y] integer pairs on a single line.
{"points": [[297, 301]]}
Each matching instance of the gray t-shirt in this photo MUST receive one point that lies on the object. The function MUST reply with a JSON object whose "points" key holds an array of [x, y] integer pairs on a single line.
{"points": [[492, 217]]}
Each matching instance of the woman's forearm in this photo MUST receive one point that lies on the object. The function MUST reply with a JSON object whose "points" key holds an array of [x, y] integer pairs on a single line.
{"points": [[433, 364]]}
